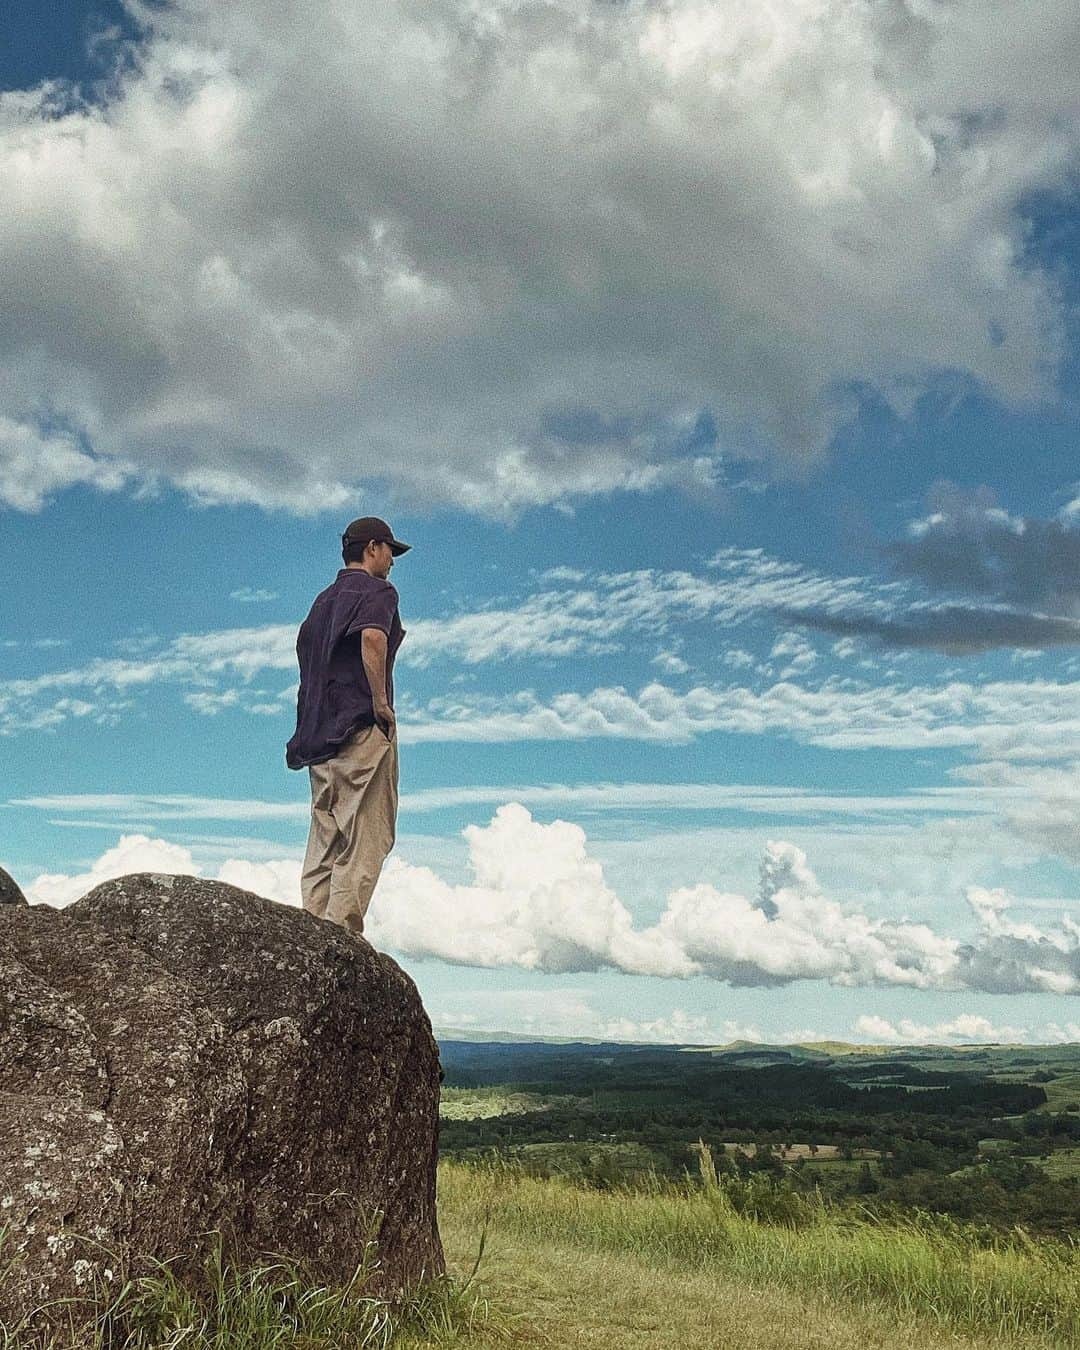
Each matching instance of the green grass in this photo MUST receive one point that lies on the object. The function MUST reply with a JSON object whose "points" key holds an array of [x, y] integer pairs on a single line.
{"points": [[925, 1270], [268, 1306], [486, 1103], [1065, 1162], [657, 1267], [1061, 1092]]}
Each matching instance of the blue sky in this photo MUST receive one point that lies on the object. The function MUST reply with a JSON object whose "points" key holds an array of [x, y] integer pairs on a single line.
{"points": [[741, 691]]}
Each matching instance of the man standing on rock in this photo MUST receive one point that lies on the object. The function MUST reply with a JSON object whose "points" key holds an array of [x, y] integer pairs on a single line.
{"points": [[346, 735]]}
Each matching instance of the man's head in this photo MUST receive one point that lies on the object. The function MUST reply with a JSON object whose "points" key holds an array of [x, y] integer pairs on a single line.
{"points": [[369, 543]]}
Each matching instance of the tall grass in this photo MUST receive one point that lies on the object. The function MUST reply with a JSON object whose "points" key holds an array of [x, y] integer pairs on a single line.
{"points": [[924, 1267], [267, 1306]]}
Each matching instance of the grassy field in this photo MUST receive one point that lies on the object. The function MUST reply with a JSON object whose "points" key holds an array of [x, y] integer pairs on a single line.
{"points": [[573, 1267], [1064, 1163], [488, 1103], [660, 1268], [1063, 1092]]}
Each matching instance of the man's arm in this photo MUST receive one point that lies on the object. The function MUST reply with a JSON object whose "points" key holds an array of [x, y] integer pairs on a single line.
{"points": [[373, 653]]}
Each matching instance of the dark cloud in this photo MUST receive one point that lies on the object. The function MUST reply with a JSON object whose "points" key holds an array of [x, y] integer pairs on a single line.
{"points": [[955, 629], [1009, 964], [1004, 581], [968, 544]]}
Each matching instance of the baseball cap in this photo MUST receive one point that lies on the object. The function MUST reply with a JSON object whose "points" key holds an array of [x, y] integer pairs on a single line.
{"points": [[371, 527]]}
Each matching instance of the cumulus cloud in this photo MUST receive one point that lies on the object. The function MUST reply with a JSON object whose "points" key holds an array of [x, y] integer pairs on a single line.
{"points": [[537, 901], [277, 879], [966, 1028], [1010, 956], [134, 853], [500, 255]]}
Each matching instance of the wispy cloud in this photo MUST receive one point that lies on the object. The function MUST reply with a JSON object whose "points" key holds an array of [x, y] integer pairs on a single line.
{"points": [[248, 595], [580, 616], [1036, 719], [737, 798], [217, 670], [128, 807], [949, 627]]}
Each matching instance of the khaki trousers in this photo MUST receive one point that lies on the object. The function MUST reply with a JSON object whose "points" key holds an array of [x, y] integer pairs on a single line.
{"points": [[354, 799]]}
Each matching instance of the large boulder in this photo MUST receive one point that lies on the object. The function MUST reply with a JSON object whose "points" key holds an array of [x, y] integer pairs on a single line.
{"points": [[179, 1057], [10, 894]]}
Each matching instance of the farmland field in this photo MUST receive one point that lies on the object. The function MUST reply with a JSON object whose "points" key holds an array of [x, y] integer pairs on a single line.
{"points": [[982, 1134]]}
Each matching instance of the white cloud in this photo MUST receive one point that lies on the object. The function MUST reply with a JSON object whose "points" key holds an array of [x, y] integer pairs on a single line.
{"points": [[276, 879], [967, 1028], [1011, 719], [36, 463], [249, 595], [749, 797], [394, 241], [671, 663], [210, 704], [677, 1028], [539, 902], [134, 853], [795, 652]]}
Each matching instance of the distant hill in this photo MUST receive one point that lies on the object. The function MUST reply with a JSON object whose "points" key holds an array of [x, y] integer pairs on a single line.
{"points": [[474, 1037], [808, 1050]]}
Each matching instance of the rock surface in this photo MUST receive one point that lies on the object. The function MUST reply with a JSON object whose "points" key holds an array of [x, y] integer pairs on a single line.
{"points": [[10, 894], [178, 1056]]}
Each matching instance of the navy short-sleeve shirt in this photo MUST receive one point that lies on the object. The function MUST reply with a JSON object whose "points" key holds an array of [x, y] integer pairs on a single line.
{"points": [[334, 699]]}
